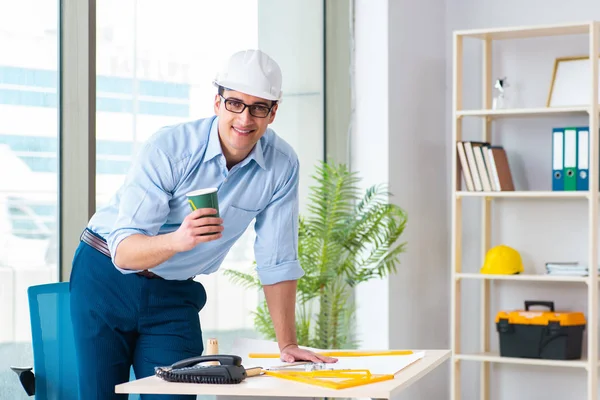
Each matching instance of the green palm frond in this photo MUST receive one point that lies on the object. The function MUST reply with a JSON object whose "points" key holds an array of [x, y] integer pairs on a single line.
{"points": [[335, 317], [263, 323], [246, 280], [304, 323], [347, 237]]}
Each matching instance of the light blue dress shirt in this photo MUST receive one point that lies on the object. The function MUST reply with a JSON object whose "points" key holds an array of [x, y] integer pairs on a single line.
{"points": [[181, 158]]}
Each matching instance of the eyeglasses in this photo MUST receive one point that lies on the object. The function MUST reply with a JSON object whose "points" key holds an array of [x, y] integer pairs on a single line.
{"points": [[256, 110]]}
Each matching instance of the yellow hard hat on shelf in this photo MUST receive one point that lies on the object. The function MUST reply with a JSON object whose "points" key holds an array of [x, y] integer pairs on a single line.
{"points": [[502, 260]]}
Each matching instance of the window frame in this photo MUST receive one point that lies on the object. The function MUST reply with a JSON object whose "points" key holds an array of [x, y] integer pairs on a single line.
{"points": [[77, 112], [77, 126]]}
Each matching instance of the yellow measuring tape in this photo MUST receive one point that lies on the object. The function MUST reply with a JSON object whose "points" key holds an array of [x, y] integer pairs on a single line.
{"points": [[345, 377], [342, 353], [350, 377]]}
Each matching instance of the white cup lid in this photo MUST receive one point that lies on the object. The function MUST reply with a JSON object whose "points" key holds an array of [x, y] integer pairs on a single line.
{"points": [[201, 192]]}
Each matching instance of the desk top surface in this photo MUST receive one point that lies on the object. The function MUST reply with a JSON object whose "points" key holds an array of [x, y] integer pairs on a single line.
{"points": [[267, 386]]}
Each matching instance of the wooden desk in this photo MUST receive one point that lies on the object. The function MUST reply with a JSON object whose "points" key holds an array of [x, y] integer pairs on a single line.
{"points": [[267, 386]]}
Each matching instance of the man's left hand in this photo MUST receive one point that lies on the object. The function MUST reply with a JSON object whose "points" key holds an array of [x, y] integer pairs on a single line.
{"points": [[293, 353]]}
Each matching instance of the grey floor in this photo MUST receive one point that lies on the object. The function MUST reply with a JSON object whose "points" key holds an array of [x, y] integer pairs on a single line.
{"points": [[13, 354]]}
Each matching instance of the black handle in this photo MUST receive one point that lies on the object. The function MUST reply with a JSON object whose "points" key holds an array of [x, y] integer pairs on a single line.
{"points": [[224, 359], [549, 304]]}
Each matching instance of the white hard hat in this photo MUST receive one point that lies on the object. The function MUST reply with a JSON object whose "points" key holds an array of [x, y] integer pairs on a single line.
{"points": [[252, 72]]}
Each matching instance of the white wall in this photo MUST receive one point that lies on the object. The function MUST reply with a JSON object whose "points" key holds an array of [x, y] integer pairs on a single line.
{"points": [[541, 231], [420, 291], [370, 149], [400, 57]]}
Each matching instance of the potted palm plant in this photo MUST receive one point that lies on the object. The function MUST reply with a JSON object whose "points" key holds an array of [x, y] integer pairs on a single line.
{"points": [[345, 239]]}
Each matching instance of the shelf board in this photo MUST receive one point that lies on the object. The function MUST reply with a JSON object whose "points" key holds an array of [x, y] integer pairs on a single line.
{"points": [[527, 194], [523, 112], [524, 277], [495, 358], [524, 32]]}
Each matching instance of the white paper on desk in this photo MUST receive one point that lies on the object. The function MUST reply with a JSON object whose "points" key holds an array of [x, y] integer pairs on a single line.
{"points": [[376, 364]]}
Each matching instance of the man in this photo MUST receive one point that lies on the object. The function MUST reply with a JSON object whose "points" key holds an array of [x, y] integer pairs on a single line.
{"points": [[133, 297]]}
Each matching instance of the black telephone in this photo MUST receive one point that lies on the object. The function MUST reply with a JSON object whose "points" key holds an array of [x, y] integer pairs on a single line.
{"points": [[229, 371]]}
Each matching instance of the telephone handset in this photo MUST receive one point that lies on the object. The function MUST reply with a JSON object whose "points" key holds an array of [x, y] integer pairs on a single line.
{"points": [[190, 370]]}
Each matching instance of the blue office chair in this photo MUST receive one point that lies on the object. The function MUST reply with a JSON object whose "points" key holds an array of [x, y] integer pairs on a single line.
{"points": [[54, 372]]}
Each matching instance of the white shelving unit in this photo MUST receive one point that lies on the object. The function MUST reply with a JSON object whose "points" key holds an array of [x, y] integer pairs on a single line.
{"points": [[589, 362], [527, 194], [525, 277]]}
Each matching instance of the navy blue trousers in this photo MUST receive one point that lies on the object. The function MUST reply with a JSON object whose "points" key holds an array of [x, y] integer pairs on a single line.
{"points": [[122, 320]]}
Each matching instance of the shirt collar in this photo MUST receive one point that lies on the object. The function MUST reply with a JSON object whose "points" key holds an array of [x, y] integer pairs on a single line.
{"points": [[213, 148], [257, 154]]}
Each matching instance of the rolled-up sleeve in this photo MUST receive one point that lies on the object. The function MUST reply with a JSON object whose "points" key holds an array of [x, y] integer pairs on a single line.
{"points": [[144, 197], [276, 246]]}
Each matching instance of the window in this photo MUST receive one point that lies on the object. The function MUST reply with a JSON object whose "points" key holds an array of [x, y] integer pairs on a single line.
{"points": [[149, 76], [28, 177]]}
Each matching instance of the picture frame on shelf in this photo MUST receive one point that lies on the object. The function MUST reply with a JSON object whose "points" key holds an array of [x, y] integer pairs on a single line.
{"points": [[570, 85]]}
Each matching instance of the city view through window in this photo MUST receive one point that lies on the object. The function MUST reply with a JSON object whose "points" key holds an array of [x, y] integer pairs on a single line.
{"points": [[152, 71]]}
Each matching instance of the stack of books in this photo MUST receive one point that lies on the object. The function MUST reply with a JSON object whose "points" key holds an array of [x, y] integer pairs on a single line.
{"points": [[484, 167], [567, 269]]}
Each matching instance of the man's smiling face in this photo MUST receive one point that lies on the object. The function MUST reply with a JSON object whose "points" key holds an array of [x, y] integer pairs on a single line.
{"points": [[240, 132]]}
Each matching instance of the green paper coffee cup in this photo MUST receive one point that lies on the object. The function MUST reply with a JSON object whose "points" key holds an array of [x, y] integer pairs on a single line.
{"points": [[204, 198]]}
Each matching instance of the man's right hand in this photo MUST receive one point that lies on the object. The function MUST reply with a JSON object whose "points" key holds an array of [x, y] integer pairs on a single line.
{"points": [[197, 228], [139, 251]]}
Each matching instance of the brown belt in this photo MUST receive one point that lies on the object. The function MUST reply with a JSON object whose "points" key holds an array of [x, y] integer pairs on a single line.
{"points": [[100, 244]]}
